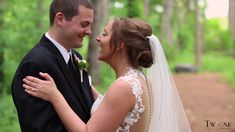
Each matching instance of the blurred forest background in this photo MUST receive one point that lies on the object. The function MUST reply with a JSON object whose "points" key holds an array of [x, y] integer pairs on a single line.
{"points": [[188, 32]]}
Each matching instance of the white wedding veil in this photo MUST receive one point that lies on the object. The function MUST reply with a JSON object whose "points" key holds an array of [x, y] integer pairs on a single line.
{"points": [[167, 111]]}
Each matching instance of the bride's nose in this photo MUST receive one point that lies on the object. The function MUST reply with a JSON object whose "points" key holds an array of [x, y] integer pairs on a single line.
{"points": [[98, 38]]}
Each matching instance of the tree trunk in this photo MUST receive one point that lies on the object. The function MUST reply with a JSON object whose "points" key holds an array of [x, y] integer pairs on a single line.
{"points": [[187, 4], [178, 21], [105, 10], [146, 7], [181, 12], [41, 10], [232, 21], [198, 38], [93, 46], [166, 23]]}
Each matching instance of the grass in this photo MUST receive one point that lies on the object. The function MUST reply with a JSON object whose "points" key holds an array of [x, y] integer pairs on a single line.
{"points": [[8, 117], [221, 64], [211, 62]]}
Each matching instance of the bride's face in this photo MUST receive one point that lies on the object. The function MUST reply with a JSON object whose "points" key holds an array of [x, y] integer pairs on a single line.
{"points": [[105, 51]]}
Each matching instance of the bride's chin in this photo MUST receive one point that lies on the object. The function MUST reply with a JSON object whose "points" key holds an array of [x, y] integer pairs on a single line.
{"points": [[102, 59], [99, 58]]}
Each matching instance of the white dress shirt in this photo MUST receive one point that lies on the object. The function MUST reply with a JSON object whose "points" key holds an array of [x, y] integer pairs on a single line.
{"points": [[66, 54]]}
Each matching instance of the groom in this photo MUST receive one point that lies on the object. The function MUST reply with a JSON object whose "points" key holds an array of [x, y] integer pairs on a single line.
{"points": [[70, 21]]}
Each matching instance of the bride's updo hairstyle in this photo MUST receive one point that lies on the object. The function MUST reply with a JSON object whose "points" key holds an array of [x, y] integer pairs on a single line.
{"points": [[133, 33]]}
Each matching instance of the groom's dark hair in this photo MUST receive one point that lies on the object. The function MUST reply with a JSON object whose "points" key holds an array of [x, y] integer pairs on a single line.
{"points": [[68, 7]]}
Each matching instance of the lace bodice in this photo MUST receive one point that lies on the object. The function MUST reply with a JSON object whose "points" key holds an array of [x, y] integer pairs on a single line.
{"points": [[132, 78]]}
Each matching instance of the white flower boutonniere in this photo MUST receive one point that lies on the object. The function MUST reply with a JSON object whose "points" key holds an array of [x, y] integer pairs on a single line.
{"points": [[83, 65]]}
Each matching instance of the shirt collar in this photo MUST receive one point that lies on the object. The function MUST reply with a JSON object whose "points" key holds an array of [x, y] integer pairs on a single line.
{"points": [[66, 54]]}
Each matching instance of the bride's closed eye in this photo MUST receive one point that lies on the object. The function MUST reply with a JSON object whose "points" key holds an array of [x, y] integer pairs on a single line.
{"points": [[104, 34]]}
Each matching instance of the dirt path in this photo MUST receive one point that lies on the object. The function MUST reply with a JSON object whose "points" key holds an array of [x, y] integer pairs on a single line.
{"points": [[209, 102]]}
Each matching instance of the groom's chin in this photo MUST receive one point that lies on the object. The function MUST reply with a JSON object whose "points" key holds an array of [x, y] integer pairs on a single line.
{"points": [[79, 45]]}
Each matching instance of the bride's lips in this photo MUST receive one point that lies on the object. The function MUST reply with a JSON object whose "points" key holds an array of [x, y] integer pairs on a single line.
{"points": [[100, 49]]}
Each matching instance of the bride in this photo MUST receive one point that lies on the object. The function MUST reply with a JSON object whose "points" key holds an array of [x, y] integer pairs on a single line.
{"points": [[133, 102]]}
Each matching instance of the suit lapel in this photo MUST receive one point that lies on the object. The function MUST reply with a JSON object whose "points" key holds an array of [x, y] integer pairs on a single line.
{"points": [[64, 68], [62, 64], [66, 72]]}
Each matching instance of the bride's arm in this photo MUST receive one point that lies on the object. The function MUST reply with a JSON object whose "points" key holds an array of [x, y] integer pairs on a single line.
{"points": [[69, 118], [106, 118]]}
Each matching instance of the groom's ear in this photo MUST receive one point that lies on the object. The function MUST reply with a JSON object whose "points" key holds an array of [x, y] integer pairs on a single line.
{"points": [[59, 18]]}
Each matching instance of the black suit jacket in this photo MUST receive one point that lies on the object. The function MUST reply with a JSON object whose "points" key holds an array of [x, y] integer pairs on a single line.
{"points": [[36, 115]]}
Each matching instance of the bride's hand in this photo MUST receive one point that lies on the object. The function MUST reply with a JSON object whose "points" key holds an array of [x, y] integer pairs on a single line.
{"points": [[44, 89]]}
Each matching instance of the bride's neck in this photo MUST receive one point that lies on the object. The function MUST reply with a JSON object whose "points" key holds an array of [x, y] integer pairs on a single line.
{"points": [[120, 64], [121, 70]]}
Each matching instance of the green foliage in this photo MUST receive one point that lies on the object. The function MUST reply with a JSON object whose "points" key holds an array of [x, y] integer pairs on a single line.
{"points": [[19, 33], [217, 36], [118, 12], [185, 35], [154, 21], [134, 8], [170, 51], [107, 77], [9, 119]]}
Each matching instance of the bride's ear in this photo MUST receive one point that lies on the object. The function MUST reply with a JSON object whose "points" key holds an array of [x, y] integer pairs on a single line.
{"points": [[121, 46]]}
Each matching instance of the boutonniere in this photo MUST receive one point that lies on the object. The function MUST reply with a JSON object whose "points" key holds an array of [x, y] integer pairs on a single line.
{"points": [[83, 65]]}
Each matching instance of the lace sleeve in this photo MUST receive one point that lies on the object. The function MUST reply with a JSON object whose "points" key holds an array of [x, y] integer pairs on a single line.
{"points": [[132, 117]]}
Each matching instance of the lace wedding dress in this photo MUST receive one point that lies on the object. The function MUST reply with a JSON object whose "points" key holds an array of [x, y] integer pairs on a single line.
{"points": [[132, 78]]}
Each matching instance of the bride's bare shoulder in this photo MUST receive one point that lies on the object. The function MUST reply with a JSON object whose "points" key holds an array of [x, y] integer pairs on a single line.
{"points": [[119, 88], [119, 92]]}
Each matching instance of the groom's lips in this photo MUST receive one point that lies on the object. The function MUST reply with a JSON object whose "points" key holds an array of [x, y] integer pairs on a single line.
{"points": [[81, 38]]}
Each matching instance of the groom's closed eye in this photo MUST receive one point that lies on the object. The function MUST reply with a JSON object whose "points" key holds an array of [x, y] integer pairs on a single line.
{"points": [[84, 24]]}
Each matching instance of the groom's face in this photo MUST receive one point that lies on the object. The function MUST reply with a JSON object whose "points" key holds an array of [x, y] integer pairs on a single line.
{"points": [[77, 28]]}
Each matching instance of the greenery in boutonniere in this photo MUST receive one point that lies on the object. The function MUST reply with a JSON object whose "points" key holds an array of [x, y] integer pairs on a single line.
{"points": [[82, 64]]}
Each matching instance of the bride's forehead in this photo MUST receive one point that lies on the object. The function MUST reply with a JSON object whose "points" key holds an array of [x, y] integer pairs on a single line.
{"points": [[108, 27], [109, 24]]}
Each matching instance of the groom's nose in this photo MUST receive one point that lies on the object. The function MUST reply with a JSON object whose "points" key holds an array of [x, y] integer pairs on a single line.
{"points": [[88, 31]]}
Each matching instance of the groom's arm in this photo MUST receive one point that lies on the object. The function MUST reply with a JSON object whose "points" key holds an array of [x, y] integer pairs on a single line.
{"points": [[34, 114]]}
